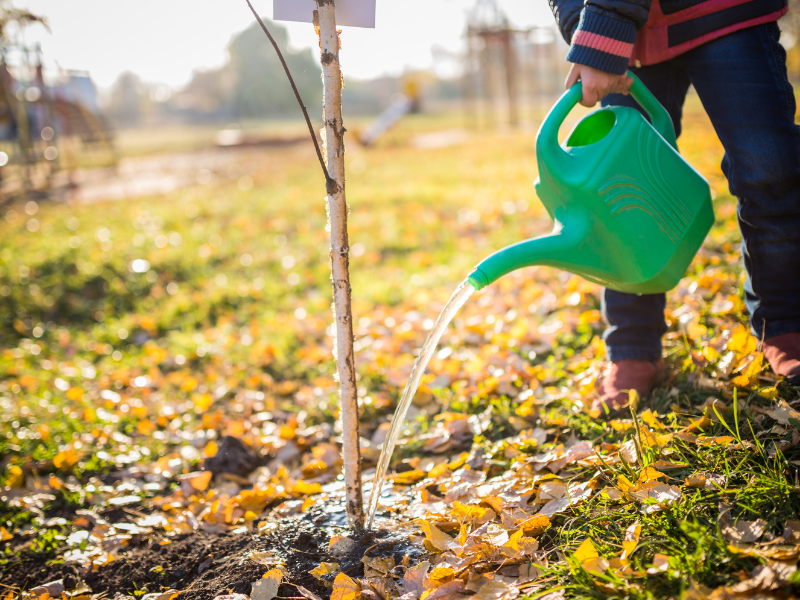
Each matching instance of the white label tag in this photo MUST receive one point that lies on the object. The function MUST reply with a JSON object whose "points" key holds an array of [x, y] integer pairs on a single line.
{"points": [[353, 13]]}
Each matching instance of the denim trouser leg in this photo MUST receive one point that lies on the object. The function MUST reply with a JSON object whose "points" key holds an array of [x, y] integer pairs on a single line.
{"points": [[741, 80], [636, 322]]}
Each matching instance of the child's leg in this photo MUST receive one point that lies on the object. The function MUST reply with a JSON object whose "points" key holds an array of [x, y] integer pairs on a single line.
{"points": [[636, 323], [741, 80]]}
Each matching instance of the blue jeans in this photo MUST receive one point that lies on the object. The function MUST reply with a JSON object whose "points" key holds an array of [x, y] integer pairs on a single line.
{"points": [[741, 81]]}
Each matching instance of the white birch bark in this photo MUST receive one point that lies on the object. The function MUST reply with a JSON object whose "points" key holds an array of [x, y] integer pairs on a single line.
{"points": [[333, 138]]}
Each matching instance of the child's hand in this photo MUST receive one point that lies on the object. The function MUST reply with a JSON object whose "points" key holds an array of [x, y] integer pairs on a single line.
{"points": [[597, 84]]}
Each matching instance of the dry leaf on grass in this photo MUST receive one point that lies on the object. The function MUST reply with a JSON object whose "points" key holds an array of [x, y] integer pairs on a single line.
{"points": [[660, 564], [697, 480], [589, 558], [780, 553], [783, 413], [766, 577], [631, 540], [744, 531], [697, 591]]}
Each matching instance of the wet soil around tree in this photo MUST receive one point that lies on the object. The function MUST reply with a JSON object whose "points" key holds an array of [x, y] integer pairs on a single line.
{"points": [[204, 565]]}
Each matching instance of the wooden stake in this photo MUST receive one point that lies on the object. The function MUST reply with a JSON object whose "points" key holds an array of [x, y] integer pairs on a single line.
{"points": [[333, 139]]}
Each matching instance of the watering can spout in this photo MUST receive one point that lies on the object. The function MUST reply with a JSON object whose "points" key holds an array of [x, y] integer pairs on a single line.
{"points": [[553, 249]]}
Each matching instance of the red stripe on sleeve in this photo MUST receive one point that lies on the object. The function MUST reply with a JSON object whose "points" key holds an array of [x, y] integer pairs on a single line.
{"points": [[602, 43]]}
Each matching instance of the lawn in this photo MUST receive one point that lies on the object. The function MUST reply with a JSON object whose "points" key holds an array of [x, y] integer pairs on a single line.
{"points": [[139, 339]]}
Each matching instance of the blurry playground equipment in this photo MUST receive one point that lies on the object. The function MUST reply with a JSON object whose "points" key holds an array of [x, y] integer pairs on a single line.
{"points": [[404, 103], [508, 70], [42, 123]]}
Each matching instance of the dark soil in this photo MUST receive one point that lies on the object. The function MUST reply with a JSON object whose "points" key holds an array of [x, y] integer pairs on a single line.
{"points": [[27, 570], [204, 565]]}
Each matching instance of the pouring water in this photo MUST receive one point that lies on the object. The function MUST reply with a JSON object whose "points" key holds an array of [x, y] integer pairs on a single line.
{"points": [[457, 300]]}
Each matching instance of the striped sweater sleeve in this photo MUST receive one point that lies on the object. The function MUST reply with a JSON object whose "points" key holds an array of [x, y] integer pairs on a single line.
{"points": [[603, 41]]}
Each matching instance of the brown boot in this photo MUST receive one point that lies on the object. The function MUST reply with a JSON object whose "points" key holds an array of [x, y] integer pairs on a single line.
{"points": [[622, 376], [783, 354]]}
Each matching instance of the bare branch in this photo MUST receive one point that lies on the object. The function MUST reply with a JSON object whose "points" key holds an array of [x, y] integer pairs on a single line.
{"points": [[332, 186]]}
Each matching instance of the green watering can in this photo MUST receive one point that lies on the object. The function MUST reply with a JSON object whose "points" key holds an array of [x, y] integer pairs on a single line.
{"points": [[629, 212]]}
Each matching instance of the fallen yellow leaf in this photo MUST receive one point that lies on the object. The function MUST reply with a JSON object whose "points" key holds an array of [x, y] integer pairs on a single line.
{"points": [[437, 538], [649, 474], [742, 342], [750, 372], [407, 477], [16, 478], [305, 488], [475, 515], [586, 551], [589, 558], [535, 525], [631, 539], [624, 484], [145, 427], [202, 402], [651, 418], [697, 480], [266, 588], [210, 449], [65, 459], [324, 569], [344, 588], [440, 576]]}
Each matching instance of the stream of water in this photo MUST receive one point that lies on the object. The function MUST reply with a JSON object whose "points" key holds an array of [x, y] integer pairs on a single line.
{"points": [[457, 300]]}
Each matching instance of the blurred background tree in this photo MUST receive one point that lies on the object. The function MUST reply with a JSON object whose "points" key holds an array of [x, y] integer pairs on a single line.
{"points": [[19, 17], [260, 86], [250, 85]]}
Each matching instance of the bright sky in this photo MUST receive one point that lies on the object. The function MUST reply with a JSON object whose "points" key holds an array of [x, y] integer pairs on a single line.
{"points": [[163, 41]]}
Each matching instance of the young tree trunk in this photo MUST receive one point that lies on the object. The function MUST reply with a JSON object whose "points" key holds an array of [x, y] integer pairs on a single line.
{"points": [[333, 138]]}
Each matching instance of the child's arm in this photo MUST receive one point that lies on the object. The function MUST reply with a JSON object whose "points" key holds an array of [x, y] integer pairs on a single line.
{"points": [[601, 34]]}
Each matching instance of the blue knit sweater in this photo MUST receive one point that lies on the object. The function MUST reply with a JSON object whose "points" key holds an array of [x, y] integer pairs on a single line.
{"points": [[602, 33]]}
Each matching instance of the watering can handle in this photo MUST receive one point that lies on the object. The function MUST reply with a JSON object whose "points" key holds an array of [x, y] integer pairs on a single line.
{"points": [[662, 122], [659, 116]]}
